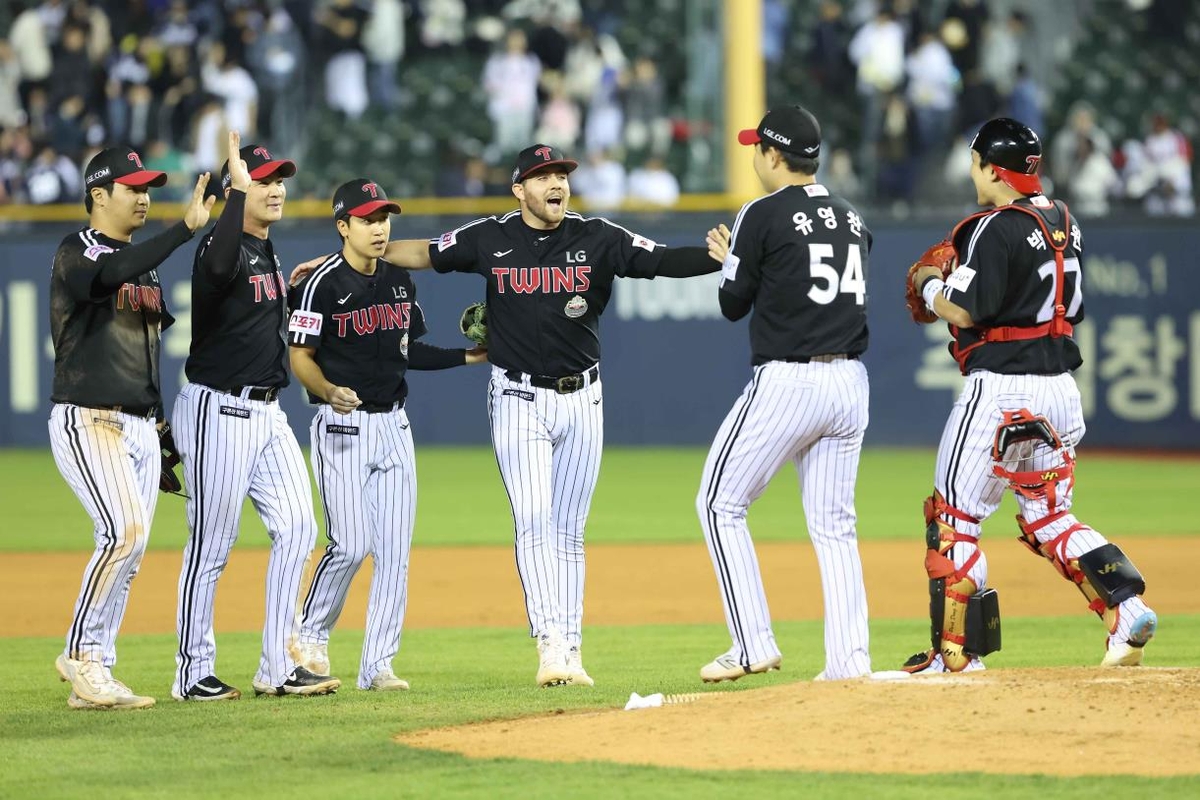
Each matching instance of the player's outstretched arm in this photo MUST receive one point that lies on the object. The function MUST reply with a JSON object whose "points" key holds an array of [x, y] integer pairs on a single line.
{"points": [[409, 253], [931, 283], [430, 357]]}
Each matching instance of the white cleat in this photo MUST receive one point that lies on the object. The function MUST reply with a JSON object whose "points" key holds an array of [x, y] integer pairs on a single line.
{"points": [[1130, 652], [386, 681], [726, 668], [552, 661], [89, 682], [579, 676]]}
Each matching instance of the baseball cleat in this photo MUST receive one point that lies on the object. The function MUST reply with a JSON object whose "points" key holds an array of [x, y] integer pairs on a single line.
{"points": [[579, 676], [209, 689], [931, 662], [386, 681], [78, 703], [727, 668], [125, 698], [88, 680], [300, 682], [552, 661], [1130, 652]]}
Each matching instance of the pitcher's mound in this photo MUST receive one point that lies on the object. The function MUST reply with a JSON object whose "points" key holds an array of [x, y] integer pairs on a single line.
{"points": [[1058, 721]]}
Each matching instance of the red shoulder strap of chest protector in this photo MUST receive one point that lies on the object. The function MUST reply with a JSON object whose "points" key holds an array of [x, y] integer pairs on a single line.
{"points": [[1057, 326]]}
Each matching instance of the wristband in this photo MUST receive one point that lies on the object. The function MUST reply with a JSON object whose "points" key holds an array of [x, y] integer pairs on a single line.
{"points": [[930, 289]]}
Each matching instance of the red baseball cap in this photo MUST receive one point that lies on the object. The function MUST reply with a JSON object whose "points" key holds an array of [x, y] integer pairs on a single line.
{"points": [[120, 165], [361, 197], [261, 164]]}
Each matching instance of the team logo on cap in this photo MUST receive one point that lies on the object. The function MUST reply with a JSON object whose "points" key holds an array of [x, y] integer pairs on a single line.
{"points": [[262, 151], [371, 189], [544, 152], [576, 307], [136, 159], [1034, 162], [776, 136]]}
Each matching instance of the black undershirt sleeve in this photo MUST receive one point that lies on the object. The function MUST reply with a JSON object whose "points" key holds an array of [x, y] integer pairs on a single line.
{"points": [[732, 306], [138, 259], [686, 262], [428, 357], [220, 259]]}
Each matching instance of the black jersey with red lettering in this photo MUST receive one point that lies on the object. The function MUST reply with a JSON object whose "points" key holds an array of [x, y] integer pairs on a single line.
{"points": [[107, 340], [546, 289], [239, 327], [1006, 277], [361, 326], [800, 255]]}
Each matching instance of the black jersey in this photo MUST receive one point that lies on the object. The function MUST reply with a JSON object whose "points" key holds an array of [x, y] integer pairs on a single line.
{"points": [[361, 326], [107, 341], [800, 255], [1006, 277], [546, 289], [239, 328]]}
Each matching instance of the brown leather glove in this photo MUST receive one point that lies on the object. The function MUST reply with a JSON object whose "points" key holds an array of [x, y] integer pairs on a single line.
{"points": [[941, 255]]}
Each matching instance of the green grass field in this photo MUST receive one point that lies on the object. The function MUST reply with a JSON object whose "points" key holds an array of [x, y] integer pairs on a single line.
{"points": [[644, 495], [325, 748]]}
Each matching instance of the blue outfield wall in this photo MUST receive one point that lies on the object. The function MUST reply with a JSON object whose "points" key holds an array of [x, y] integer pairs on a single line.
{"points": [[672, 366]]}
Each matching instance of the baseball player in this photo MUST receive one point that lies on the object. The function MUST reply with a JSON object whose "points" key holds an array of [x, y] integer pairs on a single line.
{"points": [[1012, 303], [106, 320], [549, 275], [354, 334], [798, 259], [233, 436]]}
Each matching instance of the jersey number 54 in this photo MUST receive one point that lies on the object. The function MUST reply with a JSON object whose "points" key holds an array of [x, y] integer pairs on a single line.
{"points": [[851, 280]]}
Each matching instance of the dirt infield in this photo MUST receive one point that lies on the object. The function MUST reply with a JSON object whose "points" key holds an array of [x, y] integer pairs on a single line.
{"points": [[1045, 721], [478, 587]]}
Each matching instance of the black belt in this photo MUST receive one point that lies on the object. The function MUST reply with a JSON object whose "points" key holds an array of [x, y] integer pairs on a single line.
{"points": [[563, 385], [266, 394], [133, 411], [824, 358], [378, 408]]}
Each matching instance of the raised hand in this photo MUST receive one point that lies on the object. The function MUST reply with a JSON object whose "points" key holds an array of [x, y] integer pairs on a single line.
{"points": [[718, 243], [196, 215], [239, 173]]}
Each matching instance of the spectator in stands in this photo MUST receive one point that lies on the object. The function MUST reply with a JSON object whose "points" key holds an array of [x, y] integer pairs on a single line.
{"points": [[1092, 181], [1000, 53], [16, 149], [646, 124], [1026, 100], [341, 28], [653, 184], [932, 87], [177, 29], [828, 54], [561, 13], [177, 88], [510, 79], [1164, 179], [127, 70], [31, 46], [1081, 127], [51, 178], [590, 56], [73, 74], [229, 80], [600, 181], [68, 133], [967, 19], [208, 139], [774, 31], [277, 63], [38, 113], [444, 24], [160, 155], [549, 42], [11, 112], [383, 42], [877, 51], [560, 121]]}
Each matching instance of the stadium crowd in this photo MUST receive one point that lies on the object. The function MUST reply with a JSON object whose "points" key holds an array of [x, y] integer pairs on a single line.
{"points": [[170, 76]]}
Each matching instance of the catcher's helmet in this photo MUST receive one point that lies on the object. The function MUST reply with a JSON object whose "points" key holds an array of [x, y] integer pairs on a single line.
{"points": [[1013, 150]]}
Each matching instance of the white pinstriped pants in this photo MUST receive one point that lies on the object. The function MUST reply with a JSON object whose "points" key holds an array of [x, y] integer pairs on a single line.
{"points": [[366, 475], [964, 465], [813, 415], [548, 448], [111, 461], [233, 448]]}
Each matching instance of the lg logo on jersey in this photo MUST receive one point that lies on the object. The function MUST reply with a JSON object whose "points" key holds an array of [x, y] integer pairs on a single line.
{"points": [[548, 280]]}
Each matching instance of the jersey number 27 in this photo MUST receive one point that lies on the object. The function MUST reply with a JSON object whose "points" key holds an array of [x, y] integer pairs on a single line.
{"points": [[851, 280], [1070, 270]]}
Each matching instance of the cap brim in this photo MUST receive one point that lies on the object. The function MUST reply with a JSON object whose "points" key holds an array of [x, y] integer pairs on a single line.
{"points": [[1021, 181], [285, 169], [369, 208], [566, 163], [749, 136], [145, 177]]}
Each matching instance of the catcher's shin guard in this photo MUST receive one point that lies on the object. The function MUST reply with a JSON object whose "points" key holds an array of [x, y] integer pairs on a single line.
{"points": [[964, 623], [1105, 576]]}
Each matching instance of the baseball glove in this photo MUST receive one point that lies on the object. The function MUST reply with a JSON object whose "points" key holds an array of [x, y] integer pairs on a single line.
{"points": [[942, 256], [167, 480], [474, 323]]}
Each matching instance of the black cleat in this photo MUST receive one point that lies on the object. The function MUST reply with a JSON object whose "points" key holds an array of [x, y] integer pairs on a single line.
{"points": [[301, 682], [210, 688]]}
